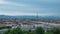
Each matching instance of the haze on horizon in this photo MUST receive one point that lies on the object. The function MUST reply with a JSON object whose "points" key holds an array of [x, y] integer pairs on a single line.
{"points": [[30, 7]]}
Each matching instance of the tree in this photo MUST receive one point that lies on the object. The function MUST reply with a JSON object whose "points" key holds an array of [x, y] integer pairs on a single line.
{"points": [[8, 32], [56, 31], [39, 30], [14, 31]]}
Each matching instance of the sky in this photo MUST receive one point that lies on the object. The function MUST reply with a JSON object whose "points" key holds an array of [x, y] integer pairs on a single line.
{"points": [[30, 7]]}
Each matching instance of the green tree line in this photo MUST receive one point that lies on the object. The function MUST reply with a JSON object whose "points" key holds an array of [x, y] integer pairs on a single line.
{"points": [[38, 30]]}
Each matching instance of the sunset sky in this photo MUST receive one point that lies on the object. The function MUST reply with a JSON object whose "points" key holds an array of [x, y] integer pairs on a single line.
{"points": [[30, 7]]}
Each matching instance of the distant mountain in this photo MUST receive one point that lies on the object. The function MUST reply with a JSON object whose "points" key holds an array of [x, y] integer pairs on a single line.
{"points": [[52, 17], [5, 16], [49, 17]]}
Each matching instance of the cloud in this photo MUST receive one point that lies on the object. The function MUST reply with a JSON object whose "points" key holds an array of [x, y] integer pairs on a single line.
{"points": [[10, 3], [20, 13], [2, 2], [48, 1], [29, 7]]}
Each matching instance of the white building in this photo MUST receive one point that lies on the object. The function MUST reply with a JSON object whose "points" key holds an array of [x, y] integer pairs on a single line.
{"points": [[33, 25], [10, 24]]}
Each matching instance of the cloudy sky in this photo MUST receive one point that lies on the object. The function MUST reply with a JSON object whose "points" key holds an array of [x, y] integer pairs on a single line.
{"points": [[30, 7]]}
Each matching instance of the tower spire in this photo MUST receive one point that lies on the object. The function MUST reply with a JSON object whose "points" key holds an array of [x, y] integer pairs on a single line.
{"points": [[37, 15]]}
